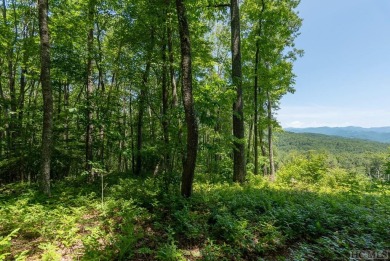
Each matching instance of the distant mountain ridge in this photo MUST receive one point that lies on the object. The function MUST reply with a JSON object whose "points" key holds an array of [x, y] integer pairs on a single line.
{"points": [[379, 134]]}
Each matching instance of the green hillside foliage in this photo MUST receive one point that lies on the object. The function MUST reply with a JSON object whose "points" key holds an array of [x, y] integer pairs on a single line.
{"points": [[379, 134], [289, 141], [323, 216], [354, 155], [315, 210]]}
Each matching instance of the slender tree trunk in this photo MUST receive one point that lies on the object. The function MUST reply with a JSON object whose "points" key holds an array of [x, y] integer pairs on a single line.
{"points": [[11, 81], [131, 133], [12, 92], [165, 123], [216, 141], [1, 86], [256, 116], [20, 128], [101, 84], [124, 135], [152, 128], [4, 13], [188, 102], [102, 89], [2, 133], [89, 91], [256, 93], [30, 135], [270, 145], [263, 151], [248, 151], [173, 83], [66, 105], [141, 107], [238, 115], [171, 69], [66, 120], [47, 95]]}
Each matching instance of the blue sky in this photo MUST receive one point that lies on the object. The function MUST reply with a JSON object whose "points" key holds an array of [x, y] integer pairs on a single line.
{"points": [[344, 77]]}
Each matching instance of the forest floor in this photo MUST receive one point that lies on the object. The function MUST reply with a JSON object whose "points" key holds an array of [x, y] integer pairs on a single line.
{"points": [[145, 219]]}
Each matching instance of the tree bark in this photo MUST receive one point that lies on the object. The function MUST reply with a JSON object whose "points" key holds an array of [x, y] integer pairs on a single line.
{"points": [[248, 149], [4, 134], [171, 69], [239, 171], [256, 93], [270, 145], [2, 100], [165, 123], [4, 13], [131, 132], [141, 106], [174, 101], [89, 91], [263, 151], [188, 102], [256, 116], [47, 95]]}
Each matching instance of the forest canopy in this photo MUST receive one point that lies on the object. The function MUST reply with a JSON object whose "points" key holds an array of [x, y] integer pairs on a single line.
{"points": [[142, 86]]}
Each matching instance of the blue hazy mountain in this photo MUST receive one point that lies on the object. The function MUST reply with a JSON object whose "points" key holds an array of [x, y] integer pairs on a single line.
{"points": [[380, 134]]}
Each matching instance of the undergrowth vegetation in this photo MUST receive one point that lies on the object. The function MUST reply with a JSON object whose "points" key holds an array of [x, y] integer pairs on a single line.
{"points": [[138, 220]]}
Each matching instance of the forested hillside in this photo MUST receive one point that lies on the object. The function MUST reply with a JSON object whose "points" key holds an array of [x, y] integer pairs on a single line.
{"points": [[360, 156], [289, 141], [380, 134], [147, 130]]}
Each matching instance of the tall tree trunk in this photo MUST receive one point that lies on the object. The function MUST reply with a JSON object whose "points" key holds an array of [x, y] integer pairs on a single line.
{"points": [[248, 150], [99, 62], [2, 100], [66, 119], [20, 129], [89, 91], [188, 102], [238, 115], [12, 92], [256, 93], [6, 130], [1, 86], [102, 89], [173, 83], [3, 134], [47, 95], [171, 69], [256, 116], [270, 145], [4, 13], [11, 80], [263, 151], [30, 136], [165, 123], [131, 132], [141, 106]]}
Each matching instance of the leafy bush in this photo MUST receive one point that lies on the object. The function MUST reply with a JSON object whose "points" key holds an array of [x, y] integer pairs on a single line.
{"points": [[308, 169], [319, 218], [5, 244], [50, 252]]}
